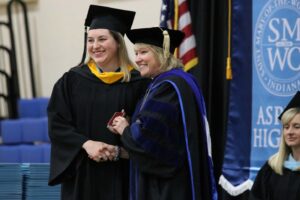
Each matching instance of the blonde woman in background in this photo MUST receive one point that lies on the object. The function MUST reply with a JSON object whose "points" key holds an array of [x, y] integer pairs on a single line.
{"points": [[279, 178]]}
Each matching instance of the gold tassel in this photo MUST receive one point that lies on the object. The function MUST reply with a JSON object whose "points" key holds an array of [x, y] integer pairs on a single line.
{"points": [[166, 44], [228, 69]]}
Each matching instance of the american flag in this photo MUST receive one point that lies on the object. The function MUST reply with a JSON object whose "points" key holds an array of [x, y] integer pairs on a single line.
{"points": [[175, 15]]}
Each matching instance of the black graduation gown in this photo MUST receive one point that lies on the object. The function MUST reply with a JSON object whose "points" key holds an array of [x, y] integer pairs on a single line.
{"points": [[156, 145], [269, 185], [79, 109]]}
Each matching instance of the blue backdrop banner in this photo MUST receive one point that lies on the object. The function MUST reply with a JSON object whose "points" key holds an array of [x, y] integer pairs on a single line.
{"points": [[266, 74]]}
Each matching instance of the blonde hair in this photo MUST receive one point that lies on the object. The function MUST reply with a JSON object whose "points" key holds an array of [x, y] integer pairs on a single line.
{"points": [[122, 55], [276, 161], [166, 63]]}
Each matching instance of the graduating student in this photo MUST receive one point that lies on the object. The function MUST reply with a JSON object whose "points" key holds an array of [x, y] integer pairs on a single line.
{"points": [[279, 177], [84, 153], [167, 140]]}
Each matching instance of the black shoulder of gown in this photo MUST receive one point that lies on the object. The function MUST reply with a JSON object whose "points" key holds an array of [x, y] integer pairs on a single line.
{"points": [[269, 185]]}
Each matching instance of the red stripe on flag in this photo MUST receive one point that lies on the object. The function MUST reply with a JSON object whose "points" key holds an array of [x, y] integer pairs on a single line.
{"points": [[183, 8], [187, 30]]}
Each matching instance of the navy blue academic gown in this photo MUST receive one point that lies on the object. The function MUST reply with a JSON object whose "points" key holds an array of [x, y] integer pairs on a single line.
{"points": [[167, 144]]}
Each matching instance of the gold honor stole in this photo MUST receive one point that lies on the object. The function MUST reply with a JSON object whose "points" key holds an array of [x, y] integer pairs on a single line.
{"points": [[106, 77]]}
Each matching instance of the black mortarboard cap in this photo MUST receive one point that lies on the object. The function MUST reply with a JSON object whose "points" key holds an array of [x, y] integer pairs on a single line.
{"points": [[109, 18], [155, 36], [295, 102]]}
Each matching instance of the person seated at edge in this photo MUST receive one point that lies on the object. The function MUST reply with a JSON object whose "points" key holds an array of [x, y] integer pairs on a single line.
{"points": [[279, 177], [167, 141], [84, 153]]}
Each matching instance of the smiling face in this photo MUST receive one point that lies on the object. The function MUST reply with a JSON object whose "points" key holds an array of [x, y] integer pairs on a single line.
{"points": [[147, 62], [102, 48], [291, 132]]}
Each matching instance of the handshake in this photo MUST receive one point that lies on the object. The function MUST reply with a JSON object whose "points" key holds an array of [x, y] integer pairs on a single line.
{"points": [[100, 151]]}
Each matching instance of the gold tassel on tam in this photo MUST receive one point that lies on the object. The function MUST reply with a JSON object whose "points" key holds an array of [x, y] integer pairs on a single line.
{"points": [[228, 63], [166, 44], [228, 69]]}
